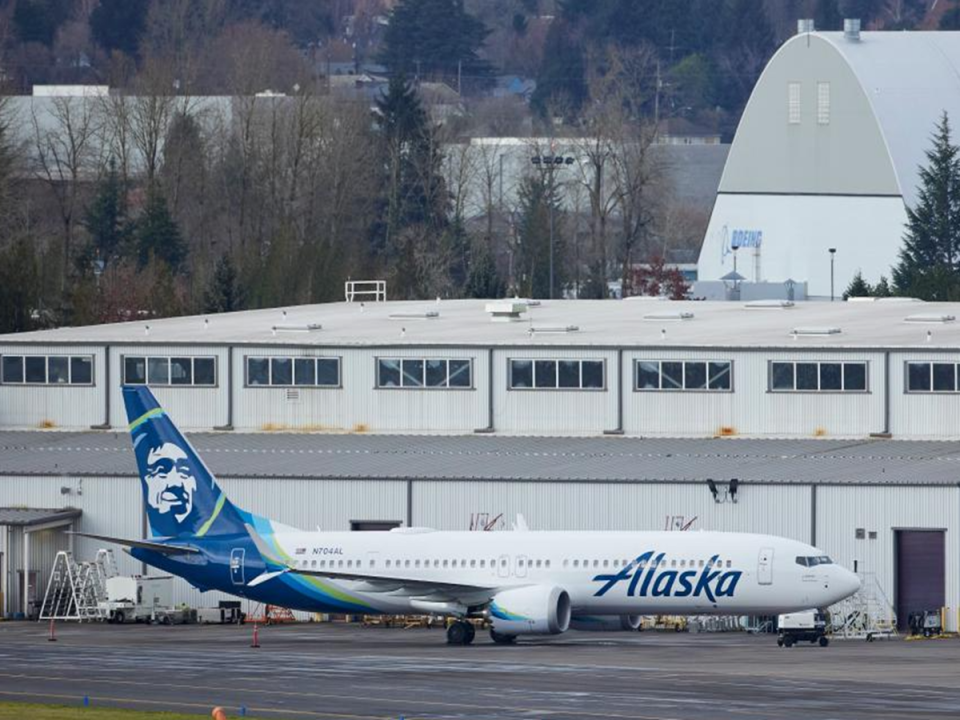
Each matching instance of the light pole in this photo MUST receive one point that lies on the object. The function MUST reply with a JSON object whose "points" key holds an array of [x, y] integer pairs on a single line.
{"points": [[547, 164], [833, 254]]}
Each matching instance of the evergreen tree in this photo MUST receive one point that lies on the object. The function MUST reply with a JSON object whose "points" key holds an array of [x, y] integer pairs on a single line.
{"points": [[119, 24], [106, 218], [828, 15], [414, 186], [435, 39], [858, 287], [157, 234], [224, 293], [929, 266], [537, 200], [19, 287], [484, 279], [950, 20], [561, 84], [882, 288]]}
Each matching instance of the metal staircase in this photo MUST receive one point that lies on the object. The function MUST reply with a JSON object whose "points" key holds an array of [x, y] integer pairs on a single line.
{"points": [[76, 591], [868, 615]]}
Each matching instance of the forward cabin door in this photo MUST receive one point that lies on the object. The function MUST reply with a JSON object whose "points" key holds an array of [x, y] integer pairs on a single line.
{"points": [[765, 567]]}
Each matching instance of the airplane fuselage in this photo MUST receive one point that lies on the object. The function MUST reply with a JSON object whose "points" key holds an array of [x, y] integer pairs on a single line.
{"points": [[604, 573]]}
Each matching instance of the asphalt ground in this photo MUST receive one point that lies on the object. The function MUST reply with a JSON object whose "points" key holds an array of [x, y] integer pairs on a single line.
{"points": [[353, 673]]}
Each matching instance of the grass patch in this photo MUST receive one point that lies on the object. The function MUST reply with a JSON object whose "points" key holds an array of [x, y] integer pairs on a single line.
{"points": [[29, 711]]}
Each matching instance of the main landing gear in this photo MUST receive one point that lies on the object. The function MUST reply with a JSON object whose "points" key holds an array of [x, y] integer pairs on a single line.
{"points": [[460, 632]]}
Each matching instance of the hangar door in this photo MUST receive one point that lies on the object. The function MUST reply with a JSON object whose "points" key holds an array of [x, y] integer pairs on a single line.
{"points": [[921, 572]]}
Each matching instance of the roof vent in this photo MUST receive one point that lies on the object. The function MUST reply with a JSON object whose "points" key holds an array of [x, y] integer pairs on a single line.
{"points": [[851, 29], [305, 328], [930, 318], [415, 315], [669, 316], [814, 331], [554, 329], [506, 310], [862, 299], [805, 25], [770, 305]]}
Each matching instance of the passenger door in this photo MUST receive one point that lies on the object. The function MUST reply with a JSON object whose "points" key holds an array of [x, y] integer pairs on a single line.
{"points": [[765, 567]]}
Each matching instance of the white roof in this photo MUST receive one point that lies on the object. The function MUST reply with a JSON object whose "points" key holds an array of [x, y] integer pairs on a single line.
{"points": [[607, 323], [910, 78]]}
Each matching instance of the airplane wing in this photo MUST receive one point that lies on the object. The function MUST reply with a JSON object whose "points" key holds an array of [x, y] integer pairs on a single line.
{"points": [[433, 590], [144, 544]]}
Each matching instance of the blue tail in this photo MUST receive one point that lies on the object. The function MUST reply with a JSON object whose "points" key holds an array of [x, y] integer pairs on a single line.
{"points": [[181, 495]]}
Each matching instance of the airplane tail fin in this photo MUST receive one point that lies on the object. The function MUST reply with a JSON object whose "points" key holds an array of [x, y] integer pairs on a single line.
{"points": [[181, 495]]}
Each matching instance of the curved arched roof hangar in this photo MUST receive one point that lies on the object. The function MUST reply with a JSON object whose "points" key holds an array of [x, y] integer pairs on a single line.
{"points": [[826, 154]]}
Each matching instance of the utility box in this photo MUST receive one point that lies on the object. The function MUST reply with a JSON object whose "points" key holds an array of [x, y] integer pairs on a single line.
{"points": [[139, 598]]}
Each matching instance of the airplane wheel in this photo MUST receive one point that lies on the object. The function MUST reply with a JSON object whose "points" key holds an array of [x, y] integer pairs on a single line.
{"points": [[501, 639], [471, 633], [779, 642], [788, 642], [457, 633], [824, 641]]}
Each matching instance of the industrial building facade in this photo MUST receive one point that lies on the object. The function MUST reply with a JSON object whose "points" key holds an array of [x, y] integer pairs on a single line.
{"points": [[460, 414], [640, 368]]}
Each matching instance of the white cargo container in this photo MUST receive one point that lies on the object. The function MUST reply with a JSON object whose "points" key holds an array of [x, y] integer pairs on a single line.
{"points": [[139, 598]]}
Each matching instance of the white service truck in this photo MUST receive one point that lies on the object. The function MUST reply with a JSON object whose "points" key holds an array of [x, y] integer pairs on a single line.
{"points": [[139, 598], [804, 626]]}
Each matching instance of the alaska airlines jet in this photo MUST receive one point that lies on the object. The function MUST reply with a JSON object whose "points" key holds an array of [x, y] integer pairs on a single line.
{"points": [[526, 583]]}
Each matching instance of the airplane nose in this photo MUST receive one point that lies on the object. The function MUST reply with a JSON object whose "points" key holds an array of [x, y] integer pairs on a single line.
{"points": [[850, 583]]}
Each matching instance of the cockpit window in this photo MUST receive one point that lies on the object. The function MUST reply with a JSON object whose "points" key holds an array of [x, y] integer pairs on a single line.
{"points": [[812, 561]]}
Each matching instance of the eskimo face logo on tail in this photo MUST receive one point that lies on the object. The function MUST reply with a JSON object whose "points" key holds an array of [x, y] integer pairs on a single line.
{"points": [[648, 577], [170, 481]]}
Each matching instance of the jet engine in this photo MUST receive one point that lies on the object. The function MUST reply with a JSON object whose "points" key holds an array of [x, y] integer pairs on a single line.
{"points": [[532, 610], [605, 623]]}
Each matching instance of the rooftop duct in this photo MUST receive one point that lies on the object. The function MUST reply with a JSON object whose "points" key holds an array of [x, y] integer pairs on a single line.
{"points": [[506, 310], [813, 331], [554, 329], [305, 328], [851, 29], [669, 316], [415, 315], [930, 318], [770, 305], [805, 25]]}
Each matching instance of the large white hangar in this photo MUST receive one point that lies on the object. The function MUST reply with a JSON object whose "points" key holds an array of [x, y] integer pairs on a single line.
{"points": [[827, 156], [562, 368]]}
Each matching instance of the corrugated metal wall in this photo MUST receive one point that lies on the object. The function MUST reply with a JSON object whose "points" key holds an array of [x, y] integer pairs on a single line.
{"points": [[933, 415], [448, 505], [58, 406], [563, 412], [359, 405], [751, 409], [842, 510], [190, 407]]}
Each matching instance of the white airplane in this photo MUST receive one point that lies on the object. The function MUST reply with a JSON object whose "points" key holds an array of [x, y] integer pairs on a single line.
{"points": [[524, 582]]}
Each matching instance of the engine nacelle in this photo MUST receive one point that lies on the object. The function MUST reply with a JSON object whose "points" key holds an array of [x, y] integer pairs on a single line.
{"points": [[533, 610], [605, 623]]}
